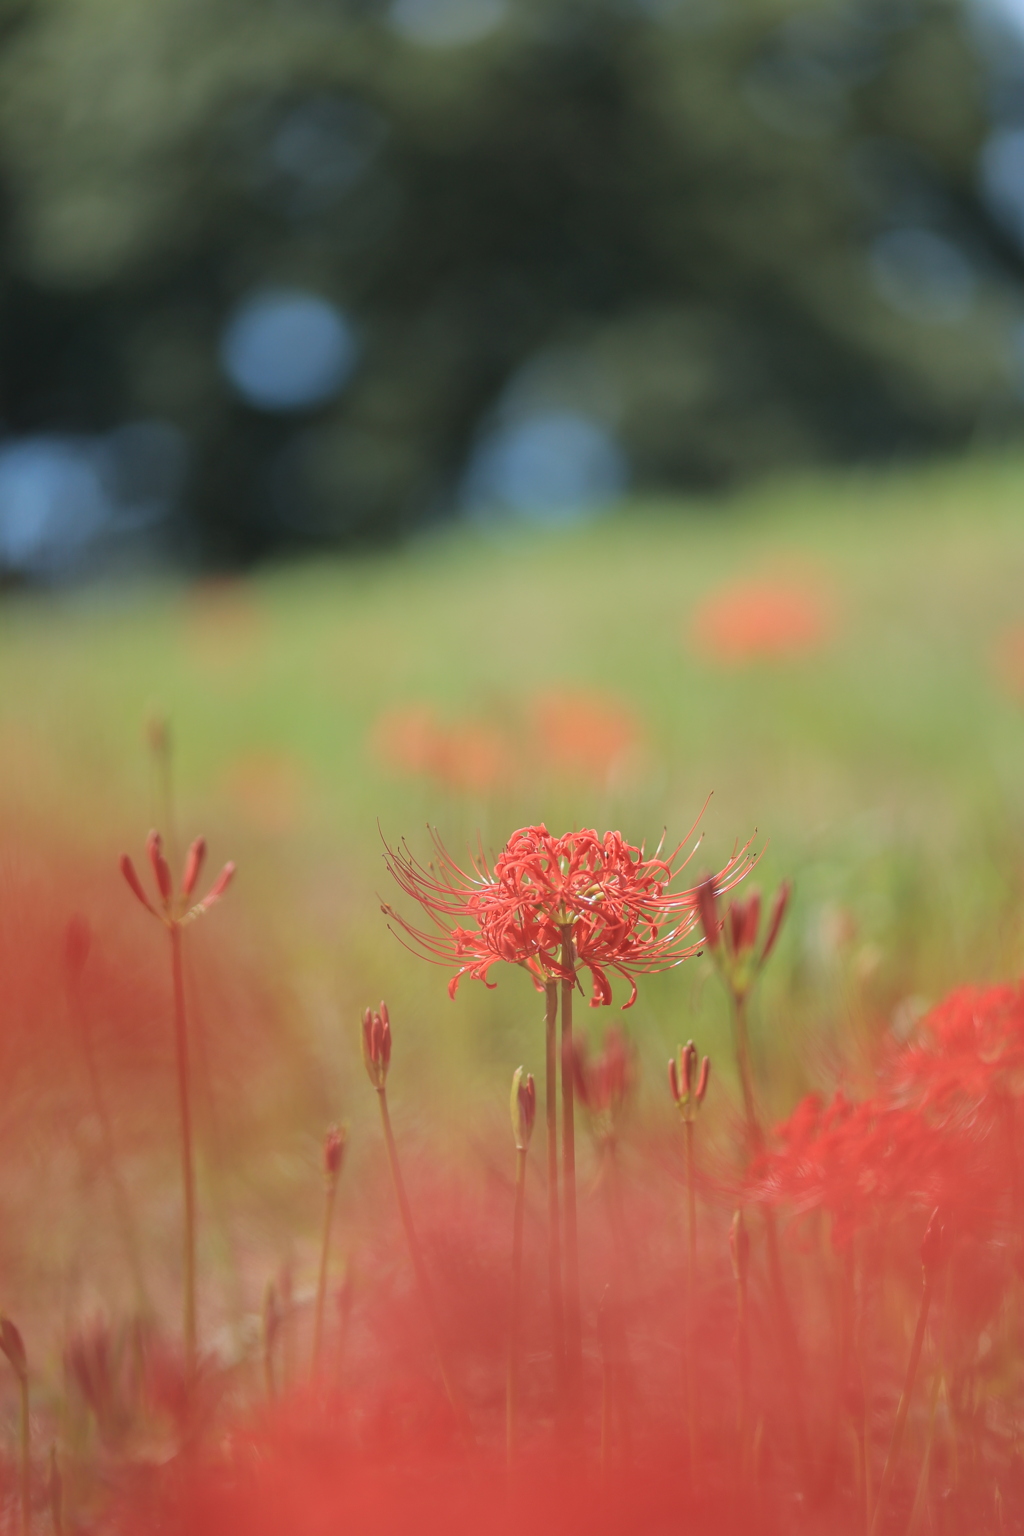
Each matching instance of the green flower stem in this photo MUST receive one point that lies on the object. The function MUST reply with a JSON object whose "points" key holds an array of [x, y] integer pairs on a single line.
{"points": [[573, 1321], [187, 1169], [512, 1385], [419, 1268], [554, 1214]]}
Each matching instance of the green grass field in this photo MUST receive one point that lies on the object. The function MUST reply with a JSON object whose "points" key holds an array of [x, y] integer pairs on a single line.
{"points": [[883, 768]]}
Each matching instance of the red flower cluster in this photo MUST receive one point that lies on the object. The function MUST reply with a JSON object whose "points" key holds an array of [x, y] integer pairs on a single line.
{"points": [[940, 1130], [598, 895]]}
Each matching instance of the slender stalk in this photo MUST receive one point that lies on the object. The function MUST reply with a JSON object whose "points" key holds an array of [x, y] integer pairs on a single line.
{"points": [[55, 1490], [741, 1038], [743, 1371], [616, 1345], [271, 1324], [755, 1142], [573, 1320], [26, 1459], [554, 1215], [416, 1255], [607, 1384], [187, 1170], [512, 1387], [898, 1428], [321, 1286], [344, 1314], [691, 1297]]}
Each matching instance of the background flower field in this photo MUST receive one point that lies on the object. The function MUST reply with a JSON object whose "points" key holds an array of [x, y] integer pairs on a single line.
{"points": [[841, 662]]}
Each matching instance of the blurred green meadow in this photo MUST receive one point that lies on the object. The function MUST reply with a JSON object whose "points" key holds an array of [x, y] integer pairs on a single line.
{"points": [[880, 765]]}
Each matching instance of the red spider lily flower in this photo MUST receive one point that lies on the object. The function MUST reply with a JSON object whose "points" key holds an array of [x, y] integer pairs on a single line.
{"points": [[968, 1056], [876, 1160], [602, 893], [176, 911]]}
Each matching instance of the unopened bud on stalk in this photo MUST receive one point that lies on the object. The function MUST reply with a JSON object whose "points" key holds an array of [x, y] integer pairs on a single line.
{"points": [[708, 908], [779, 906], [376, 1040], [688, 1085], [739, 1248], [13, 1347], [193, 864], [523, 1105], [334, 1150], [161, 870], [744, 919], [688, 1061]]}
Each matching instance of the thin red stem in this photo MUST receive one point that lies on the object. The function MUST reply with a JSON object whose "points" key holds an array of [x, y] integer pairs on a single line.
{"points": [[187, 1169], [321, 1287], [512, 1385], [554, 1215], [419, 1268], [573, 1321]]}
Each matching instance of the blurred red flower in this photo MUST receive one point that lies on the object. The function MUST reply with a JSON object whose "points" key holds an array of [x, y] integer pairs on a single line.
{"points": [[583, 733], [774, 619], [468, 756], [614, 903]]}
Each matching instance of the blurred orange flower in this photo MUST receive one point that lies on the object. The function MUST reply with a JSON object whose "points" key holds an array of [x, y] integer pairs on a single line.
{"points": [[468, 756], [762, 618], [584, 733]]}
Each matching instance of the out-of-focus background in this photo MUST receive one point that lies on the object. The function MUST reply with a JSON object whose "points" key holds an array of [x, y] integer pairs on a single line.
{"points": [[481, 412], [275, 277]]}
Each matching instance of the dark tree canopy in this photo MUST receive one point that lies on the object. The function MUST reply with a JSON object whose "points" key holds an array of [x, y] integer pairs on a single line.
{"points": [[736, 234]]}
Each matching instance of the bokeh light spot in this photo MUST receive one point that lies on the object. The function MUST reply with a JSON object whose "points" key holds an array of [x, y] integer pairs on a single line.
{"points": [[288, 350]]}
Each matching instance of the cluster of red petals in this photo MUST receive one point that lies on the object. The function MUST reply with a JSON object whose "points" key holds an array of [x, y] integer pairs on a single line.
{"points": [[940, 1131], [613, 905]]}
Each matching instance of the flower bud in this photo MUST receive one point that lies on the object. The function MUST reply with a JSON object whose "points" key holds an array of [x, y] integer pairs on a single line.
{"points": [[135, 884], [673, 1078], [334, 1150], [688, 1062], [219, 886], [779, 906], [523, 1105], [377, 1045], [702, 1082], [13, 1347], [161, 872], [708, 908], [193, 864]]}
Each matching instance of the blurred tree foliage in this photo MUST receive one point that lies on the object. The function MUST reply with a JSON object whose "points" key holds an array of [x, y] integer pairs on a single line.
{"points": [[661, 212]]}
